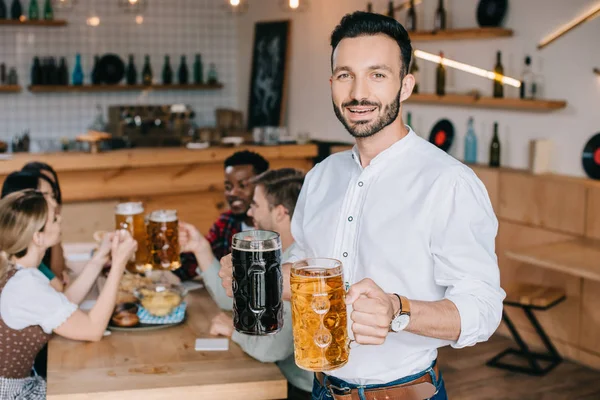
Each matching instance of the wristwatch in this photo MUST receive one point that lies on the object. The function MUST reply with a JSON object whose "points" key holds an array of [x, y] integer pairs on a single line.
{"points": [[402, 317]]}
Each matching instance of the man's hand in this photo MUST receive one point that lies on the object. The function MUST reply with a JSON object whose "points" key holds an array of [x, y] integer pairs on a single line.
{"points": [[226, 274], [222, 324], [373, 312], [191, 240]]}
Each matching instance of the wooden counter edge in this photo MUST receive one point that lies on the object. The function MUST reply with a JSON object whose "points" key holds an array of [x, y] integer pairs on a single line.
{"points": [[272, 389], [151, 157]]}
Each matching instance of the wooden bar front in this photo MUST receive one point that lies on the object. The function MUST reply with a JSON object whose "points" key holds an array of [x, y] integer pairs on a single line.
{"points": [[190, 181]]}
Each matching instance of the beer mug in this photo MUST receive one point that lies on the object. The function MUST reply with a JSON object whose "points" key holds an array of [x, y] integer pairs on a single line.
{"points": [[163, 240], [130, 216], [257, 282], [319, 315]]}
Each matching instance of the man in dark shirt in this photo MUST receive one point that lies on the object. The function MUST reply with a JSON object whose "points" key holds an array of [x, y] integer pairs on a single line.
{"points": [[240, 168]]}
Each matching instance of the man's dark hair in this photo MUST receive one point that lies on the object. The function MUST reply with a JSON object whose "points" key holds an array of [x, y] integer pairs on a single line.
{"points": [[282, 187], [248, 158], [361, 23], [23, 180], [42, 166]]}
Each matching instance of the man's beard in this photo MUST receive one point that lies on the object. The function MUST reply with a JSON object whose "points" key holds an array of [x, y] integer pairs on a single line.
{"points": [[363, 129]]}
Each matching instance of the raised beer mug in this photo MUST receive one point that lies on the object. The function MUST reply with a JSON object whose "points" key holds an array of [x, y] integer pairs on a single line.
{"points": [[257, 282], [319, 314], [163, 240], [130, 216]]}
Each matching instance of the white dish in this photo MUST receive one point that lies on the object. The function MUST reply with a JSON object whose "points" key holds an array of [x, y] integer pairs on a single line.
{"points": [[234, 140], [197, 146]]}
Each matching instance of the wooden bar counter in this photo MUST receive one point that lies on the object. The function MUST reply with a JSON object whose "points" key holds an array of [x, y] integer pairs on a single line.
{"points": [[190, 181], [161, 364]]}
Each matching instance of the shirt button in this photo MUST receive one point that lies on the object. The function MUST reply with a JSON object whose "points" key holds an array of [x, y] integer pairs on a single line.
{"points": [[350, 219], [345, 254], [360, 184]]}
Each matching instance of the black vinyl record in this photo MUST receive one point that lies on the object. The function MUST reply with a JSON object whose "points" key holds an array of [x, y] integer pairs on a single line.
{"points": [[111, 69], [442, 134], [491, 12], [591, 157]]}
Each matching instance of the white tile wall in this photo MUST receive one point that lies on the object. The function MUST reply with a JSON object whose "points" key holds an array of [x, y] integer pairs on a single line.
{"points": [[173, 27]]}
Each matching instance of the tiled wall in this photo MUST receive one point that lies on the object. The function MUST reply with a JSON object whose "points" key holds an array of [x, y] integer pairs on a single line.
{"points": [[173, 27]]}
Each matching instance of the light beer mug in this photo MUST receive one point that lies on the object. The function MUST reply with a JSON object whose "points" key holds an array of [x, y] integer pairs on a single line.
{"points": [[130, 217], [163, 240], [319, 315]]}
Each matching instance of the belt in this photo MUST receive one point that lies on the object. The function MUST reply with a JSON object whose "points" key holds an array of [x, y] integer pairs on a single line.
{"points": [[418, 389]]}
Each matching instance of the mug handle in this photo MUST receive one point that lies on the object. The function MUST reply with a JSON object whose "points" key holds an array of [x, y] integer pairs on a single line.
{"points": [[257, 289]]}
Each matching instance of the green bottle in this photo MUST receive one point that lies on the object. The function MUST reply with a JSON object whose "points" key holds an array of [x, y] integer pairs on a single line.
{"points": [[48, 11], [198, 70], [495, 149], [167, 72], [34, 10], [440, 77], [499, 70]]}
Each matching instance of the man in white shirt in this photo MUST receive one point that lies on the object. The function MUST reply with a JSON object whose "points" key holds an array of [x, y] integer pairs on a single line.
{"points": [[413, 227]]}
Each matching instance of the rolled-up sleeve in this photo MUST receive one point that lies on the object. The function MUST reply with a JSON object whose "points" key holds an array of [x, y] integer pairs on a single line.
{"points": [[212, 281], [463, 247]]}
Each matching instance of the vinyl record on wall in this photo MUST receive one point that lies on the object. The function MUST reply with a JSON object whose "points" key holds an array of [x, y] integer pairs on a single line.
{"points": [[591, 157], [442, 134], [491, 12]]}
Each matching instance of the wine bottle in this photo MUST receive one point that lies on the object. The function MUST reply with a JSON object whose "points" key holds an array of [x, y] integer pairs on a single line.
{"points": [[499, 70], [3, 10], [495, 148], [414, 70], [52, 71], [48, 11], [77, 77], [63, 72], [147, 72], [36, 72], [439, 22], [212, 77], [2, 74], [16, 10], [391, 12], [131, 73], [96, 78], [527, 81], [183, 73], [440, 77], [411, 17], [34, 10], [198, 70], [470, 144], [167, 72]]}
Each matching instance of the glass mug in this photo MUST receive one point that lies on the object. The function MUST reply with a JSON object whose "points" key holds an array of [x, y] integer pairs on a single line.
{"points": [[130, 216], [257, 282], [319, 315], [163, 240]]}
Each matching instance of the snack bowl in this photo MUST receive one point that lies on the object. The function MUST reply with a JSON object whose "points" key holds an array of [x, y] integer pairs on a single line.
{"points": [[160, 299]]}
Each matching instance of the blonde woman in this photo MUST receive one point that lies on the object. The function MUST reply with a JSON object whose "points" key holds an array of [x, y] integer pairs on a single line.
{"points": [[30, 309]]}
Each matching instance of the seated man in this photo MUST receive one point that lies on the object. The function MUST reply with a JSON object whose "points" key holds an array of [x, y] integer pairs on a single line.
{"points": [[239, 169], [272, 208]]}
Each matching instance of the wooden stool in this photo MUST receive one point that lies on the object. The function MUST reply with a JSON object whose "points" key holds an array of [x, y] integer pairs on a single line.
{"points": [[530, 297]]}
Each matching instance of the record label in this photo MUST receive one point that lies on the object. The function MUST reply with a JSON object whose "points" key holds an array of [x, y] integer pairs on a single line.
{"points": [[442, 134]]}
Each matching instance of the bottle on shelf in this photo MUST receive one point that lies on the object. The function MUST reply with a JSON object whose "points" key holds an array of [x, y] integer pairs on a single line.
{"points": [[439, 21], [3, 10], [212, 77], [48, 11], [495, 148], [414, 70], [63, 72], [13, 78], [16, 10], [370, 7], [526, 80], [2, 74], [131, 72], [440, 77], [34, 10], [37, 75], [167, 72], [391, 12], [470, 144], [95, 71], [183, 72], [411, 17], [499, 70], [198, 70], [77, 77], [52, 71], [147, 72]]}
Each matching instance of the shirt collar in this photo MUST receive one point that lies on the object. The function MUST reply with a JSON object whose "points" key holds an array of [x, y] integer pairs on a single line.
{"points": [[388, 153]]}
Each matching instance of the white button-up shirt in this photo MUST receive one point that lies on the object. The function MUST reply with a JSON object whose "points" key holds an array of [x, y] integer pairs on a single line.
{"points": [[418, 223]]}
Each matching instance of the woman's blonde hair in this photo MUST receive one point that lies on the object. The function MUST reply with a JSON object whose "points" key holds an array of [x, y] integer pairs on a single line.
{"points": [[22, 214]]}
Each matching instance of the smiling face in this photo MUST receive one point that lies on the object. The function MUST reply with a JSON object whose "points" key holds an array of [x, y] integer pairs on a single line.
{"points": [[366, 84], [239, 188]]}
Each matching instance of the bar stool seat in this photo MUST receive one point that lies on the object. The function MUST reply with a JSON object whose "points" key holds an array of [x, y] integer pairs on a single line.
{"points": [[530, 297]]}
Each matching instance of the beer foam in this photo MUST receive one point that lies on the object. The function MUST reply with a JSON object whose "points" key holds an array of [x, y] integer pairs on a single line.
{"points": [[129, 208], [324, 272], [163, 216]]}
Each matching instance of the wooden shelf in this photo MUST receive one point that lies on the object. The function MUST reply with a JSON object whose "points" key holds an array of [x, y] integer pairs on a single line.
{"points": [[10, 89], [117, 88], [460, 34], [41, 22], [579, 257], [487, 102]]}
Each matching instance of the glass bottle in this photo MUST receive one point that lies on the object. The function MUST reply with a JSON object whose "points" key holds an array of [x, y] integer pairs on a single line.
{"points": [[470, 144], [495, 148], [77, 77]]}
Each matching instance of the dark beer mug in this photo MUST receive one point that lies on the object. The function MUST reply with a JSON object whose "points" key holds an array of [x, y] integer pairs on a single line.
{"points": [[257, 282]]}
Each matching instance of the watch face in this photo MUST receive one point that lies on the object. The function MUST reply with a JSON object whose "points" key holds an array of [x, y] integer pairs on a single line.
{"points": [[400, 323]]}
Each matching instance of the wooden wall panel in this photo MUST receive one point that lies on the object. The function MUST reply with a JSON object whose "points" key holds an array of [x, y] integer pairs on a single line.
{"points": [[490, 178], [590, 317], [80, 220], [543, 202], [593, 213]]}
